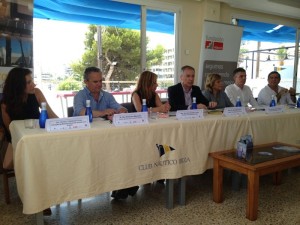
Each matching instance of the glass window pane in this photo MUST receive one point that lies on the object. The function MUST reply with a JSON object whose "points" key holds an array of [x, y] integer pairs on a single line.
{"points": [[161, 48], [260, 55]]}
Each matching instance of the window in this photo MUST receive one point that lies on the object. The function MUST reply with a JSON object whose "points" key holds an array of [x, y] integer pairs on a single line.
{"points": [[120, 71], [264, 48]]}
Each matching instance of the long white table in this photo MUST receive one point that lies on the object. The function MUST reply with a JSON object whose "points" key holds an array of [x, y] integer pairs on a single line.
{"points": [[52, 168]]}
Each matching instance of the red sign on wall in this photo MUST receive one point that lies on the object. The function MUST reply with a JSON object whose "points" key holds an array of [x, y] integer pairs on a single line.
{"points": [[218, 45]]}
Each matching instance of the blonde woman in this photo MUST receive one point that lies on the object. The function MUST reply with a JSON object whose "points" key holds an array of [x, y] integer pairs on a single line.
{"points": [[214, 91]]}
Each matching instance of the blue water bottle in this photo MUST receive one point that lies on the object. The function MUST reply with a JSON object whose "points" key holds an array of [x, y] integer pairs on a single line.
{"points": [[144, 106], [88, 110], [238, 102], [298, 102], [43, 115], [273, 103], [194, 104]]}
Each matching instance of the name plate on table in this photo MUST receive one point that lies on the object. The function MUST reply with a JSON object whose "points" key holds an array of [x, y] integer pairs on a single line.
{"points": [[70, 123], [234, 111], [130, 119], [189, 114], [275, 109]]}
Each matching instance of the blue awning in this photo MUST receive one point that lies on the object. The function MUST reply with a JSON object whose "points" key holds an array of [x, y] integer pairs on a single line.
{"points": [[103, 12], [124, 15], [265, 32]]}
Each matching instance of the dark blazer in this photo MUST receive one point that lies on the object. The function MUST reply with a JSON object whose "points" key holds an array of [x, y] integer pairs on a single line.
{"points": [[177, 100]]}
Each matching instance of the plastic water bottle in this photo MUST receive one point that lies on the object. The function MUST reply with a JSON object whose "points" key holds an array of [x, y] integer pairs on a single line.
{"points": [[194, 104], [273, 103], [144, 106], [298, 102], [238, 102], [88, 110], [43, 115]]}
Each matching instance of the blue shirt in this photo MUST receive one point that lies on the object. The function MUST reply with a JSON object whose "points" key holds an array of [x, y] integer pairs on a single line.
{"points": [[105, 101]]}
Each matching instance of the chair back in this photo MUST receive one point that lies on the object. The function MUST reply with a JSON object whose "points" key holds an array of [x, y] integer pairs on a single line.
{"points": [[2, 148], [5, 173], [70, 111], [128, 106]]}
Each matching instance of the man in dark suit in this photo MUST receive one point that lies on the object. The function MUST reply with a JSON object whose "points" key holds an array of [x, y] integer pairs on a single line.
{"points": [[181, 94]]}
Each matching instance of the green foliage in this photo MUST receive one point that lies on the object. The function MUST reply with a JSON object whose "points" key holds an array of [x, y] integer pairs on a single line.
{"points": [[120, 47], [123, 47], [155, 56], [242, 54], [281, 53], [165, 83], [89, 57], [69, 84]]}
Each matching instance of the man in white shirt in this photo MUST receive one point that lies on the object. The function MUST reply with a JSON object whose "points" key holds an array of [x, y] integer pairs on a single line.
{"points": [[282, 95], [239, 89]]}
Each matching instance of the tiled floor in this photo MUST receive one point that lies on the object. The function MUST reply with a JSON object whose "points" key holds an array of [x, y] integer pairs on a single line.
{"points": [[277, 205]]}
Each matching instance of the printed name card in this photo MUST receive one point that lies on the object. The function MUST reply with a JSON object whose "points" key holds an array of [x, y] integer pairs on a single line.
{"points": [[130, 119], [234, 111], [70, 123], [275, 109], [189, 114]]}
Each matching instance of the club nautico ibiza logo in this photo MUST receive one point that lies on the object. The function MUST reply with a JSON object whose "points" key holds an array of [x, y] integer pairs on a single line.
{"points": [[167, 161], [164, 149]]}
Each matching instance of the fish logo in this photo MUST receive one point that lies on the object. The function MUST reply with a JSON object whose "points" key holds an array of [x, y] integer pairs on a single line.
{"points": [[163, 149]]}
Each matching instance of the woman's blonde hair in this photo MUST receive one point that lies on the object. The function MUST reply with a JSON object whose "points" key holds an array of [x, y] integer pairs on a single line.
{"points": [[210, 81], [145, 82]]}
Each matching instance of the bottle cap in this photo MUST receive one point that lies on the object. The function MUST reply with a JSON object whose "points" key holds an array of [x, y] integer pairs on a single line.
{"points": [[144, 101], [194, 99], [43, 105], [88, 103]]}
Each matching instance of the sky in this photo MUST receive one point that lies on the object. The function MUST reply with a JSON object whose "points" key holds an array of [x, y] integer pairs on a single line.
{"points": [[57, 44]]}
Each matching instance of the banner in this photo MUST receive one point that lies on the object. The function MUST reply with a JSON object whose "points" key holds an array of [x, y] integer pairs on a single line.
{"points": [[16, 46], [220, 48]]}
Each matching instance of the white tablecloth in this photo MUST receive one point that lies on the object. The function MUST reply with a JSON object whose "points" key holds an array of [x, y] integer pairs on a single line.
{"points": [[52, 168]]}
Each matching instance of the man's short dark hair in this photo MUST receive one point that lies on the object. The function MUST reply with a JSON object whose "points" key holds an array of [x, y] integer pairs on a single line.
{"points": [[187, 67], [237, 70], [89, 70], [274, 72]]}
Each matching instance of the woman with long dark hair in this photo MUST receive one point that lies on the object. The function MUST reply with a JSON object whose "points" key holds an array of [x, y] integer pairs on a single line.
{"points": [[21, 99]]}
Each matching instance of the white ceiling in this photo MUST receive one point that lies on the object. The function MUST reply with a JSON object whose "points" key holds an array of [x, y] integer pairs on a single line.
{"points": [[286, 8]]}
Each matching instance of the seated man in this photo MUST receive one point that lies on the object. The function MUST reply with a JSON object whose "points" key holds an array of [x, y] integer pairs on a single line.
{"points": [[239, 89], [181, 94], [282, 95], [102, 103]]}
